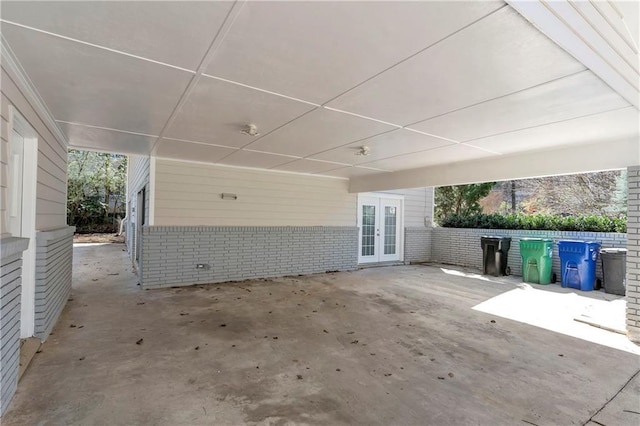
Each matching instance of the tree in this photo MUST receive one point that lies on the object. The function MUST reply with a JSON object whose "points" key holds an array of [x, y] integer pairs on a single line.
{"points": [[96, 186], [598, 194], [618, 204], [460, 199]]}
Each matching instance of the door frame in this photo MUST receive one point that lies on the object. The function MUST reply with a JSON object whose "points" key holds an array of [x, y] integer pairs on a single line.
{"points": [[29, 194], [140, 210], [400, 240]]}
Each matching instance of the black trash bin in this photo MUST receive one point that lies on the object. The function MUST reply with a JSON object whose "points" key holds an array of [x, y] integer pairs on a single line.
{"points": [[614, 270], [494, 255]]}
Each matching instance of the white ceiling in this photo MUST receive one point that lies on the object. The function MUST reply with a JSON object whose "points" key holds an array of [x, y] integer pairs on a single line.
{"points": [[419, 83]]}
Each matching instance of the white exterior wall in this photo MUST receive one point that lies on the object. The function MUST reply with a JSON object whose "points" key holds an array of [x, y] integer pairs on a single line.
{"points": [[189, 194], [51, 194], [137, 178], [418, 206], [52, 284]]}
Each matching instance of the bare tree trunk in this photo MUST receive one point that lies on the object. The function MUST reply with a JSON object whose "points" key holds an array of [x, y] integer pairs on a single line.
{"points": [[513, 196]]}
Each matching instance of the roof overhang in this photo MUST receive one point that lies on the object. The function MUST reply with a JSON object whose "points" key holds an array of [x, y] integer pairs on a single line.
{"points": [[439, 92]]}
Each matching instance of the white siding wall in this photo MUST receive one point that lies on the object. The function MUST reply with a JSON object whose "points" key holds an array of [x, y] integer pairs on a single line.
{"points": [[50, 215], [4, 168], [52, 162], [418, 206], [137, 178], [189, 194]]}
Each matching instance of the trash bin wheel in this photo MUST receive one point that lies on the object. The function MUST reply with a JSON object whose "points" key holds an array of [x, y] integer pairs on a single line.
{"points": [[507, 271], [598, 285], [554, 278]]}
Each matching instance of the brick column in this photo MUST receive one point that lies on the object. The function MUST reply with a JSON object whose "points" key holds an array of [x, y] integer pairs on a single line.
{"points": [[633, 254]]}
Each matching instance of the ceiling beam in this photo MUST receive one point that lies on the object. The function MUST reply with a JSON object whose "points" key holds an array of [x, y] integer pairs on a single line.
{"points": [[575, 159]]}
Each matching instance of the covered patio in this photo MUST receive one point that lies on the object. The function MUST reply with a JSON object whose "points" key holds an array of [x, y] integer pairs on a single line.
{"points": [[395, 345], [272, 140]]}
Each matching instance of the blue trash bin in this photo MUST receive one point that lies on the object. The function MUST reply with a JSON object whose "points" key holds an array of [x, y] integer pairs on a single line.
{"points": [[578, 263]]}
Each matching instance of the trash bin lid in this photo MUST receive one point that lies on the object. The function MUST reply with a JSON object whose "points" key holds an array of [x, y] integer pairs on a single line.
{"points": [[544, 240], [578, 242], [614, 250], [495, 237]]}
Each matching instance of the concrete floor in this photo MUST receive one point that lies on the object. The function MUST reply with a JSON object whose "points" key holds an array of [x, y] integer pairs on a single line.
{"points": [[396, 345]]}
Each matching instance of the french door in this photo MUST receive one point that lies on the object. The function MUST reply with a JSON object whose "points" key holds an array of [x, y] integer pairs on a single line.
{"points": [[380, 223]]}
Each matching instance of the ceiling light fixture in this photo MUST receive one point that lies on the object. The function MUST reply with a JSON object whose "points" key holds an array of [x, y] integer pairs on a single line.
{"points": [[363, 150], [250, 130]]}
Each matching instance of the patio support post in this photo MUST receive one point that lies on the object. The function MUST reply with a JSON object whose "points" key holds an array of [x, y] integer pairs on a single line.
{"points": [[633, 254]]}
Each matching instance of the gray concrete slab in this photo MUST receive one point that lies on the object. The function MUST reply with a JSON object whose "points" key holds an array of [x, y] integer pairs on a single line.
{"points": [[397, 345], [624, 408]]}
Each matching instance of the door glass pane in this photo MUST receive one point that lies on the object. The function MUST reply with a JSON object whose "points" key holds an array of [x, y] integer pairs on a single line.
{"points": [[368, 230], [390, 217]]}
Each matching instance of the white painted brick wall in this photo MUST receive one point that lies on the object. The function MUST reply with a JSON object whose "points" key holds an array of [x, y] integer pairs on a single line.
{"points": [[417, 244], [54, 263], [457, 246], [633, 254], [170, 253], [10, 294]]}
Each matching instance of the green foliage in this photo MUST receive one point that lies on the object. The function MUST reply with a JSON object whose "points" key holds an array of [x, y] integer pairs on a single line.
{"points": [[96, 186], [537, 222], [460, 200]]}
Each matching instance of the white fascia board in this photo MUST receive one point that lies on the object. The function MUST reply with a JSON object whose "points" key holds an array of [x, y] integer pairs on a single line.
{"points": [[561, 22], [568, 160]]}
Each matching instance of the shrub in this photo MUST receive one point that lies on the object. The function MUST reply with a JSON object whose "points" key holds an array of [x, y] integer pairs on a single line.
{"points": [[537, 222]]}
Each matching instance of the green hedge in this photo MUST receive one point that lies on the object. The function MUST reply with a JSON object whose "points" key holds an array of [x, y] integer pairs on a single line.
{"points": [[537, 222]]}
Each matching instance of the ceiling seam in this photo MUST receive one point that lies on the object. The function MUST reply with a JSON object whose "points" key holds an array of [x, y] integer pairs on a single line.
{"points": [[90, 126], [311, 159], [226, 25], [237, 83], [200, 143], [97, 46]]}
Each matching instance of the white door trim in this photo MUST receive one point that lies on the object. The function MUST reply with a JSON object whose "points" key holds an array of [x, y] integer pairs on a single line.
{"points": [[29, 188]]}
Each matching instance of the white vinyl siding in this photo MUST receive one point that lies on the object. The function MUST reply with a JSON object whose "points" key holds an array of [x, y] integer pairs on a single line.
{"points": [[4, 168], [418, 205], [138, 178], [188, 194], [52, 162]]}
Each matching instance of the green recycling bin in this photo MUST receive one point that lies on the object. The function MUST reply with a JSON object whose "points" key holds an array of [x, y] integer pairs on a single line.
{"points": [[537, 257]]}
